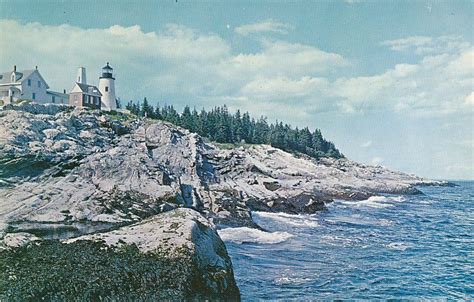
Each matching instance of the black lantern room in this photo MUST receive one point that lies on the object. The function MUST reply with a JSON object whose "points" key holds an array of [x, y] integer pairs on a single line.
{"points": [[107, 72]]}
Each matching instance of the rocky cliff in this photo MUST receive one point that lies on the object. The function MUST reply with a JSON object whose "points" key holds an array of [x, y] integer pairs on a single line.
{"points": [[59, 165], [87, 171]]}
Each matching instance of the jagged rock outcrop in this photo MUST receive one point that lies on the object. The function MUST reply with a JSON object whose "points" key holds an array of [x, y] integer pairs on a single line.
{"points": [[78, 165]]}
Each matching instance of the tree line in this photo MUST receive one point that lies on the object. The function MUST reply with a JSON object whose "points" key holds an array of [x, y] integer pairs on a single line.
{"points": [[223, 127]]}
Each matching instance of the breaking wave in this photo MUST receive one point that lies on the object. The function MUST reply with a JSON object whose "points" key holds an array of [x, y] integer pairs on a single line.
{"points": [[249, 235], [290, 281], [376, 201], [290, 219]]}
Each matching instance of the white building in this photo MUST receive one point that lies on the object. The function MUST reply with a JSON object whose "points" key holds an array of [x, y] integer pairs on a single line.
{"points": [[28, 85]]}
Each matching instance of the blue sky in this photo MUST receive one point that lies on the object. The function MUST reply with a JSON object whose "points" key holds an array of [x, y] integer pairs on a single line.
{"points": [[390, 82]]}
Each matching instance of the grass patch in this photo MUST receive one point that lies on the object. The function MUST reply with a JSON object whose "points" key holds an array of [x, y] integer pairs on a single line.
{"points": [[119, 116], [230, 146]]}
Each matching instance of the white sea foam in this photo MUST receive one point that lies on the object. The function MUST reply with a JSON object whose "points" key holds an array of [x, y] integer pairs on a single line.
{"points": [[399, 246], [289, 219], [333, 239], [376, 201], [290, 281], [250, 235], [385, 222]]}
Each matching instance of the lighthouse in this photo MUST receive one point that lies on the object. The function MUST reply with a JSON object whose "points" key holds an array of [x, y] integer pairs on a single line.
{"points": [[107, 88]]}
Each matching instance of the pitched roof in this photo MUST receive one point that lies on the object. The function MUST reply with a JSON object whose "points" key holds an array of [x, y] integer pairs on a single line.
{"points": [[90, 89], [7, 88], [60, 94], [5, 77]]}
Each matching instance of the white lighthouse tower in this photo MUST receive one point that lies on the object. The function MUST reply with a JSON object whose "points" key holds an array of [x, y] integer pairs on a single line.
{"points": [[107, 88]]}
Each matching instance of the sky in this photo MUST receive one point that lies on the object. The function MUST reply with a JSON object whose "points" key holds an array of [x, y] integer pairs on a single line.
{"points": [[389, 82]]}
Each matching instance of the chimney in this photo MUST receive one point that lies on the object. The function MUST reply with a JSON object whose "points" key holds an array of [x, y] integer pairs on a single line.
{"points": [[64, 91], [36, 67], [81, 75], [14, 68]]}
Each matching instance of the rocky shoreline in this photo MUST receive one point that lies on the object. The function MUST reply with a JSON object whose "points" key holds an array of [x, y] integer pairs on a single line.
{"points": [[134, 179]]}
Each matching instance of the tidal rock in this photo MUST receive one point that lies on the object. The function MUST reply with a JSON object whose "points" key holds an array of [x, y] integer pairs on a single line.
{"points": [[15, 240], [175, 255]]}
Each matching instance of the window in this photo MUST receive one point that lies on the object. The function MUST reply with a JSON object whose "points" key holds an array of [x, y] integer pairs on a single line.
{"points": [[29, 82], [54, 99], [84, 99], [34, 96], [39, 84], [106, 88]]}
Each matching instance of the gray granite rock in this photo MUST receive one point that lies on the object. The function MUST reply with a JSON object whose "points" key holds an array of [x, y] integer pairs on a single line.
{"points": [[77, 161]]}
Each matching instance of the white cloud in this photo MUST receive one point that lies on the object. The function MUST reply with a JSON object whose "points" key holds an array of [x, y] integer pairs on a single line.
{"points": [[267, 26], [366, 144], [283, 88], [182, 43], [436, 85], [423, 45], [279, 58], [463, 65], [407, 43], [469, 100]]}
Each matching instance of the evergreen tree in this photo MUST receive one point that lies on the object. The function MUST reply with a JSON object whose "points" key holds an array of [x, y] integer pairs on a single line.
{"points": [[261, 133], [146, 109], [187, 120], [157, 114], [246, 128], [304, 140], [136, 109], [202, 123], [238, 129], [129, 105], [218, 125]]}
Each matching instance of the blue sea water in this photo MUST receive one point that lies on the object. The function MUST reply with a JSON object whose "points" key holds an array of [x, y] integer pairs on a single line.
{"points": [[387, 247]]}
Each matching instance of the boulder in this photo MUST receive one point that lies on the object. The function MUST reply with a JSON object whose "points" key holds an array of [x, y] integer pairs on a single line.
{"points": [[176, 255]]}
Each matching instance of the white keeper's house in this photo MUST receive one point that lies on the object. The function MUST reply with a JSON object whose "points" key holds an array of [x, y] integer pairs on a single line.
{"points": [[28, 85]]}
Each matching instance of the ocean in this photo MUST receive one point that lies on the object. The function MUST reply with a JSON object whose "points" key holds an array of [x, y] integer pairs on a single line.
{"points": [[386, 247]]}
